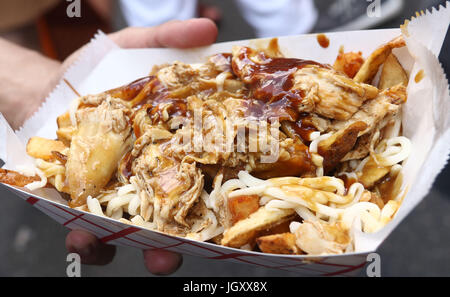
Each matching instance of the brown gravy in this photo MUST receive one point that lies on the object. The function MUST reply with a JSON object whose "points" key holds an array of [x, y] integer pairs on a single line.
{"points": [[271, 82], [419, 76], [323, 40]]}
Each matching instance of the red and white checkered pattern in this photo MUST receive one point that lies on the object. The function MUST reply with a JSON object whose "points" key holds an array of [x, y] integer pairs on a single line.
{"points": [[116, 233]]}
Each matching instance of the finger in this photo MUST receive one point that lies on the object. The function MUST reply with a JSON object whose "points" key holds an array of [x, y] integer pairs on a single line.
{"points": [[91, 250], [162, 262], [177, 34]]}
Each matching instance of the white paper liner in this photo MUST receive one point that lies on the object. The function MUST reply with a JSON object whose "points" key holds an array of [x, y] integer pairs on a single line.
{"points": [[43, 122], [434, 19], [12, 150], [102, 65]]}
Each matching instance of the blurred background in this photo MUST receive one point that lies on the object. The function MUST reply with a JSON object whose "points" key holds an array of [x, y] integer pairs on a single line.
{"points": [[32, 244]]}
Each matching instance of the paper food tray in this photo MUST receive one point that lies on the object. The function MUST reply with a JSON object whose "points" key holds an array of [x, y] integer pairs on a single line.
{"points": [[103, 65]]}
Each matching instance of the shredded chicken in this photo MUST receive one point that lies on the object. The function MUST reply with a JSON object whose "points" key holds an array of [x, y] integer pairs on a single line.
{"points": [[321, 238], [310, 86]]}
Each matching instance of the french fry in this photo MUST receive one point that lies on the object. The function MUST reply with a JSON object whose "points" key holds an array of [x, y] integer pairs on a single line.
{"points": [[372, 173], [298, 164], [42, 148], [337, 146], [64, 121], [131, 90], [348, 63], [217, 239], [278, 244], [14, 178], [246, 231], [279, 228], [392, 74], [65, 134], [274, 230], [242, 207], [370, 67]]}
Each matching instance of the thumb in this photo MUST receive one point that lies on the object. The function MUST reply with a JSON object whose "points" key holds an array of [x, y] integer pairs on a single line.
{"points": [[177, 34]]}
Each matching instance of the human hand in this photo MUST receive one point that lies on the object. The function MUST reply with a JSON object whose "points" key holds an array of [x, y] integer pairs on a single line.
{"points": [[26, 77], [178, 34], [93, 252]]}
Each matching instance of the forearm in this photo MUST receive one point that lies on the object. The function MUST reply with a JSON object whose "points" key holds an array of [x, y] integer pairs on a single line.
{"points": [[25, 79]]}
